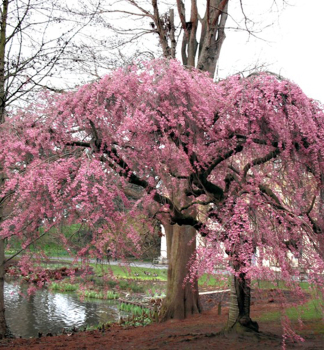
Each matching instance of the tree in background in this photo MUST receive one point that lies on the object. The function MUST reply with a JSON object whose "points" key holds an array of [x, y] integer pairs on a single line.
{"points": [[127, 31], [239, 161], [177, 24], [32, 44]]}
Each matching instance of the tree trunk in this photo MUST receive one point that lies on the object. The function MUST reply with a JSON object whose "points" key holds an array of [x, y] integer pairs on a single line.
{"points": [[3, 27], [212, 36], [3, 327], [240, 302], [168, 229], [182, 298]]}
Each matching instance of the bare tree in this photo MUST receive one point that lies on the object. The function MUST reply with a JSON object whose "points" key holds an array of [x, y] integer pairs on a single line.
{"points": [[34, 37], [177, 25]]}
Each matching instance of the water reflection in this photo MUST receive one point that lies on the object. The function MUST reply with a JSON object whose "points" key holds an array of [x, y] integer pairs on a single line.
{"points": [[51, 312]]}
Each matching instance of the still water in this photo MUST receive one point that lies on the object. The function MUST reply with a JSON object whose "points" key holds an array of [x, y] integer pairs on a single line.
{"points": [[47, 311]]}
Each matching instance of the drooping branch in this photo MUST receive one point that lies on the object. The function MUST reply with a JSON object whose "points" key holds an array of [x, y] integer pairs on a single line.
{"points": [[266, 190], [258, 161], [221, 158], [279, 206], [209, 188], [316, 228], [95, 134], [121, 167], [25, 247], [311, 206], [229, 178]]}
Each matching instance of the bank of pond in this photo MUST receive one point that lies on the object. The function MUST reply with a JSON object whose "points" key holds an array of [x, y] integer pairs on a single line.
{"points": [[51, 312]]}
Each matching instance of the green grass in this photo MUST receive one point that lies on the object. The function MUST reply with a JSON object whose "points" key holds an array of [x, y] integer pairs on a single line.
{"points": [[56, 266], [149, 274], [217, 281], [135, 273], [134, 309], [68, 287], [64, 287], [309, 311], [93, 294], [109, 295], [263, 284], [141, 316], [122, 284]]}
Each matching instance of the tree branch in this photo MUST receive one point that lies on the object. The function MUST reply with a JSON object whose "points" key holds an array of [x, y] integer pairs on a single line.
{"points": [[262, 160], [265, 189], [237, 149]]}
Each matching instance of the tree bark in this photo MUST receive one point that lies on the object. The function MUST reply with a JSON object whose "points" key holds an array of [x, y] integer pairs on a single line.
{"points": [[3, 327], [212, 36], [161, 30], [4, 15], [240, 302], [182, 298], [168, 228]]}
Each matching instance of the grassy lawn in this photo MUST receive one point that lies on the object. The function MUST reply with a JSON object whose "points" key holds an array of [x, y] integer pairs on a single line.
{"points": [[263, 284], [216, 281], [309, 311], [130, 272], [149, 274], [133, 279]]}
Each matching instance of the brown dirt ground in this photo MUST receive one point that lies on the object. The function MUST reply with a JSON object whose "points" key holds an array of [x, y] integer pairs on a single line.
{"points": [[196, 332]]}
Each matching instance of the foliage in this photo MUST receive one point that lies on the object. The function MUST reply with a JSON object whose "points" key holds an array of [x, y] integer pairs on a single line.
{"points": [[219, 281], [134, 309], [257, 178], [242, 161], [64, 287], [155, 293], [110, 295], [141, 316]]}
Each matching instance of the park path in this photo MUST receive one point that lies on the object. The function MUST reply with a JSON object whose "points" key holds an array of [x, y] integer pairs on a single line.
{"points": [[147, 265]]}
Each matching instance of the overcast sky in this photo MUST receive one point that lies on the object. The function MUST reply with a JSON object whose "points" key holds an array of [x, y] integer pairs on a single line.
{"points": [[293, 46]]}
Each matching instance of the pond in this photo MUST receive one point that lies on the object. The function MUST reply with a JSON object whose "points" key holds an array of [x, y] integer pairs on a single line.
{"points": [[51, 312]]}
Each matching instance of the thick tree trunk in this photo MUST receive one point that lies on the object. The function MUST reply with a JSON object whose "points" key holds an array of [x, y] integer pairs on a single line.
{"points": [[240, 302], [212, 36], [168, 235], [182, 298]]}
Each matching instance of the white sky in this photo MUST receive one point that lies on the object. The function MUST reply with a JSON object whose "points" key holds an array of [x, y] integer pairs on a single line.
{"points": [[293, 47]]}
